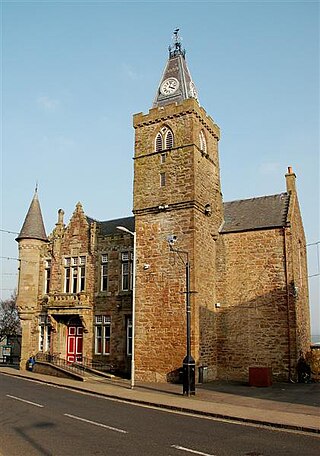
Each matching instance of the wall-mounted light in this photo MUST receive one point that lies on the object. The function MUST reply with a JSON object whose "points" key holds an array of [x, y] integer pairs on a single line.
{"points": [[163, 207], [172, 239]]}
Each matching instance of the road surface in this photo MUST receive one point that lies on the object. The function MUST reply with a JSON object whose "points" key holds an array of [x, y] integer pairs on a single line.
{"points": [[38, 419]]}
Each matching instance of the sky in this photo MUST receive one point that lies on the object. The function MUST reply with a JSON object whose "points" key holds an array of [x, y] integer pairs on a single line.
{"points": [[75, 72]]}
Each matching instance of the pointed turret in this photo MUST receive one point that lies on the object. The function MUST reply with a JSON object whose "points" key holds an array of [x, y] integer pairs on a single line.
{"points": [[32, 239], [33, 226], [176, 83]]}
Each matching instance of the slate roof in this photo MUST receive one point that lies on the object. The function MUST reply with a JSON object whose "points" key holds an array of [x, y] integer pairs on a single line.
{"points": [[109, 227], [33, 226], [242, 215], [256, 213]]}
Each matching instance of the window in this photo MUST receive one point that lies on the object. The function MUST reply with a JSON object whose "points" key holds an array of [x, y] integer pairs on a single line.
{"points": [[159, 142], [169, 139], [47, 276], [104, 272], [163, 158], [102, 335], [126, 271], [164, 139], [44, 333], [75, 274], [202, 140], [129, 336], [162, 179]]}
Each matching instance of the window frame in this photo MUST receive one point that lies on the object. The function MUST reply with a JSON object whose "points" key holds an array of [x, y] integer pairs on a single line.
{"points": [[44, 334], [102, 335], [158, 142], [164, 139], [128, 274], [168, 139], [104, 272], [75, 274], [47, 275], [163, 179]]}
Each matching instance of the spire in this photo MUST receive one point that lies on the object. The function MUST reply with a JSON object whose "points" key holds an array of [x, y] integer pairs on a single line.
{"points": [[176, 83], [33, 227]]}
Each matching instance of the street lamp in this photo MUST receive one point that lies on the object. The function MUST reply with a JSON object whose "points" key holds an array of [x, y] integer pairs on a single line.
{"points": [[133, 233], [188, 362]]}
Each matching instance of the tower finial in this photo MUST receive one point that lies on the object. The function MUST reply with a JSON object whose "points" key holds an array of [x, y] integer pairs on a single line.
{"points": [[36, 189], [176, 49]]}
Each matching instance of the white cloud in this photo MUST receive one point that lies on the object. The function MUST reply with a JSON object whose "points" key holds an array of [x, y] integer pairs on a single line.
{"points": [[270, 168], [47, 104]]}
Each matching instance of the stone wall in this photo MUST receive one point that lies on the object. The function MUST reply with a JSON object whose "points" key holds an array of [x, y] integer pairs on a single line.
{"points": [[113, 302], [189, 206], [252, 322], [297, 273], [27, 298], [79, 238]]}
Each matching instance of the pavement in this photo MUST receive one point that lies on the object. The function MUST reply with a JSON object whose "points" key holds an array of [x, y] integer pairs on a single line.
{"points": [[291, 406]]}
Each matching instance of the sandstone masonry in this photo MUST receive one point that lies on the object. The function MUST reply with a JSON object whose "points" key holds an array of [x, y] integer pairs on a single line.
{"points": [[248, 277]]}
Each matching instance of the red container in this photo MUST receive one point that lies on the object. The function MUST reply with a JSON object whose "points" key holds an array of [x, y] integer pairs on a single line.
{"points": [[260, 376]]}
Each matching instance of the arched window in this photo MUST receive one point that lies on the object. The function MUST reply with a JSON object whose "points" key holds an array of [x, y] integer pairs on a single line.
{"points": [[164, 139], [169, 139], [158, 142], [202, 140]]}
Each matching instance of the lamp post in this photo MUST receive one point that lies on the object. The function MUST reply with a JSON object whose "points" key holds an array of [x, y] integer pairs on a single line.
{"points": [[188, 362], [133, 233]]}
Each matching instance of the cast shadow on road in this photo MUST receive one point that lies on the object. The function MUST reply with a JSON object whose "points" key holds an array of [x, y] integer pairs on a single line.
{"points": [[24, 431]]}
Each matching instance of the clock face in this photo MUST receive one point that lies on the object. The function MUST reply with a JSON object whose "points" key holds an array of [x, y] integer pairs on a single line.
{"points": [[169, 86]]}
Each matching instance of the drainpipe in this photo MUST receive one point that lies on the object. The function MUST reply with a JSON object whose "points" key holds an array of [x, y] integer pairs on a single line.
{"points": [[287, 298]]}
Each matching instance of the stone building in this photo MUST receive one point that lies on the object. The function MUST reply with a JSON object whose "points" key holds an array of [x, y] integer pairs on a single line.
{"points": [[247, 258]]}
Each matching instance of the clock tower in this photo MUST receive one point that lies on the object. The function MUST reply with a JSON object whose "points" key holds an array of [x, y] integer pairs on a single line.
{"points": [[176, 193]]}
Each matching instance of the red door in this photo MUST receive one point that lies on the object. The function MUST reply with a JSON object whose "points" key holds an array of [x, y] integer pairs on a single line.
{"points": [[74, 344]]}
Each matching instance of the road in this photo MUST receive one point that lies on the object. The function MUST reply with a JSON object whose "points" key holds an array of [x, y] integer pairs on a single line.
{"points": [[38, 419]]}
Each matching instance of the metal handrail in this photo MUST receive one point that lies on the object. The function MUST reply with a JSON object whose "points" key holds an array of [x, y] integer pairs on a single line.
{"points": [[85, 365]]}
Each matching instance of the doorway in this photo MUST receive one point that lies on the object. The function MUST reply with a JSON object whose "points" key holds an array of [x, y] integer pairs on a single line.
{"points": [[74, 343]]}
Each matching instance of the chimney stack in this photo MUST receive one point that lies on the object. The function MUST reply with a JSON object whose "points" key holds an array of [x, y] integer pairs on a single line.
{"points": [[290, 180]]}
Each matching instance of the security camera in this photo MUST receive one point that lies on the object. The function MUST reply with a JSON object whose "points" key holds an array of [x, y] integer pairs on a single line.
{"points": [[172, 239]]}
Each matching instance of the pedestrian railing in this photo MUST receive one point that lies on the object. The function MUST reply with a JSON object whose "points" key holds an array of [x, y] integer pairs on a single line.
{"points": [[85, 365]]}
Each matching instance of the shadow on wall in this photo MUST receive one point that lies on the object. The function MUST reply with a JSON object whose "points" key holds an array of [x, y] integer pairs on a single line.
{"points": [[175, 376], [253, 333]]}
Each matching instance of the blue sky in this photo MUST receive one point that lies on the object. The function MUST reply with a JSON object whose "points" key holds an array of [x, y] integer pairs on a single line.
{"points": [[75, 72]]}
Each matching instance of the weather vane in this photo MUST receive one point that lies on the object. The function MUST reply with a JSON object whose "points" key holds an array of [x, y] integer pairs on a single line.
{"points": [[176, 49]]}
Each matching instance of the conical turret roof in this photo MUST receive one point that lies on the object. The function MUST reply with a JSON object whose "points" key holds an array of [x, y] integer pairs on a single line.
{"points": [[176, 83], [33, 226]]}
